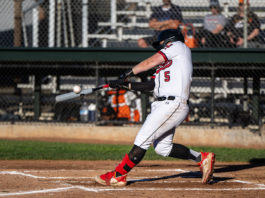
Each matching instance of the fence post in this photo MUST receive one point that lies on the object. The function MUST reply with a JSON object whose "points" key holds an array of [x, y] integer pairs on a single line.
{"points": [[97, 113], [51, 22], [85, 23], [245, 24], [212, 95], [256, 99], [113, 14], [17, 22], [35, 32], [37, 96]]}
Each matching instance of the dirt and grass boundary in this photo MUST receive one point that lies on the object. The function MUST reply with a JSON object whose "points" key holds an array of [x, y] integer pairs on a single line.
{"points": [[188, 135]]}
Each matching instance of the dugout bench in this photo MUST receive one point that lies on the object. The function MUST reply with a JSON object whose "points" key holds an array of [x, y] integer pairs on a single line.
{"points": [[101, 62]]}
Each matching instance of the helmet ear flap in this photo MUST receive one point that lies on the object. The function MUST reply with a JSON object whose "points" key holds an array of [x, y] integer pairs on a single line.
{"points": [[170, 39], [169, 35], [157, 45]]}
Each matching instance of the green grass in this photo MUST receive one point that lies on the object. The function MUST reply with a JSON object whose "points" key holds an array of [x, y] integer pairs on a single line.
{"points": [[36, 150]]}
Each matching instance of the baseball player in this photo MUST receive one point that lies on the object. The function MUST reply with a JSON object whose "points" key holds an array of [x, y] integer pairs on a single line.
{"points": [[171, 85]]}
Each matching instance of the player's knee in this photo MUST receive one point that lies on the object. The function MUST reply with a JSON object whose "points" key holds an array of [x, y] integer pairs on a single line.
{"points": [[162, 149]]}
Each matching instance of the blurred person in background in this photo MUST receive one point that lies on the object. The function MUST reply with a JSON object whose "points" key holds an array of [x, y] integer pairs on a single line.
{"points": [[213, 26], [43, 24], [167, 16], [235, 28]]}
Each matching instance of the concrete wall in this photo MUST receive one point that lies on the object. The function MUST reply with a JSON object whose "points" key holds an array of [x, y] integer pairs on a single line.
{"points": [[199, 136]]}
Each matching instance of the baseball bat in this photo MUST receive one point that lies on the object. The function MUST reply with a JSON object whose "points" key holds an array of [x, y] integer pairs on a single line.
{"points": [[72, 95]]}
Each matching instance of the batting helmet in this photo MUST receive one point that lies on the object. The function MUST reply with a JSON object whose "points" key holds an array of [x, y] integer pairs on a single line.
{"points": [[169, 35]]}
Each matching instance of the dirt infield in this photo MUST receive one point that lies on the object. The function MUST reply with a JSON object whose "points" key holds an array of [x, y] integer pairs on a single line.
{"points": [[148, 179]]}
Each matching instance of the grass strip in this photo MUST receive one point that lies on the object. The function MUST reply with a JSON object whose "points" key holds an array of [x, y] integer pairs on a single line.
{"points": [[38, 150]]}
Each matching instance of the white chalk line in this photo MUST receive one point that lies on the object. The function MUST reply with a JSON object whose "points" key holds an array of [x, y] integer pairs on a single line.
{"points": [[36, 191], [167, 170], [97, 190], [58, 170], [100, 189], [131, 179], [95, 170], [39, 177]]}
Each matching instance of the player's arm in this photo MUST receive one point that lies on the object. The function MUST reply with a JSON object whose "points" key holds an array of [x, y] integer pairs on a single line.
{"points": [[142, 86], [145, 65], [148, 63], [136, 86]]}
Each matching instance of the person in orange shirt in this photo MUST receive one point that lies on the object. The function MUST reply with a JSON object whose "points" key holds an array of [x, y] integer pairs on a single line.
{"points": [[121, 102]]}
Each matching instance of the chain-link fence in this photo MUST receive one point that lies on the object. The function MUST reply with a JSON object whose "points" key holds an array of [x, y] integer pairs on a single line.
{"points": [[130, 23], [223, 92]]}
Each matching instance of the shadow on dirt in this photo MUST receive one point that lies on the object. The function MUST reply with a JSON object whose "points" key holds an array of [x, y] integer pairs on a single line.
{"points": [[255, 162], [196, 174]]}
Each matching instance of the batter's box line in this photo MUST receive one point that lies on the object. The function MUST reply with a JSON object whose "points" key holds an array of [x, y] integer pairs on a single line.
{"points": [[136, 179], [98, 190], [38, 177]]}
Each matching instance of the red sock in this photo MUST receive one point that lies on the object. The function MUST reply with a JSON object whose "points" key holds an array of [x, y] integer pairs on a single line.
{"points": [[125, 166]]}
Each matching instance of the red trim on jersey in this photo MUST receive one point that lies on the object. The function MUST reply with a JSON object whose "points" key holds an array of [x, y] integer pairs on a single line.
{"points": [[164, 66], [164, 56], [153, 77]]}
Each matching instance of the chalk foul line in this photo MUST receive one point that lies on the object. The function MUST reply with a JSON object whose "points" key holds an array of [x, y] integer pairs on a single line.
{"points": [[103, 189]]}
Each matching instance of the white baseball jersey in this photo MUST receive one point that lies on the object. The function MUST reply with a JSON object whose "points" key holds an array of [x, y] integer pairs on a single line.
{"points": [[173, 78]]}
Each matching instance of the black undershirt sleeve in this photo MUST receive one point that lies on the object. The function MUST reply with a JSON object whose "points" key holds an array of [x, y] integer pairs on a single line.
{"points": [[143, 86]]}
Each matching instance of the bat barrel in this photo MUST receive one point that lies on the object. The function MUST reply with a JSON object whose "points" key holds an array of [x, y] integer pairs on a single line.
{"points": [[72, 95]]}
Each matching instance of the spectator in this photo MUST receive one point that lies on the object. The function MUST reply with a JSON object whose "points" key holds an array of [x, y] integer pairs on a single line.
{"points": [[236, 27], [43, 24], [213, 26], [167, 16]]}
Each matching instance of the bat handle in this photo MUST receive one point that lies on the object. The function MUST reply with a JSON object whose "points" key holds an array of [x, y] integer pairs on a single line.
{"points": [[101, 87]]}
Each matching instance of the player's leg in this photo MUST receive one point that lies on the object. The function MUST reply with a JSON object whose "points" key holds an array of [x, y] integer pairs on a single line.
{"points": [[144, 139], [118, 176], [164, 116], [164, 146]]}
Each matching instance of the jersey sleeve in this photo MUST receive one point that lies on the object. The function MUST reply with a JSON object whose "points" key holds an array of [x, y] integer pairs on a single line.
{"points": [[170, 51]]}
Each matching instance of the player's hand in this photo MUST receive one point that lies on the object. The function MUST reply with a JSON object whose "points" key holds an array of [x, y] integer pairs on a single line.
{"points": [[125, 75], [119, 84]]}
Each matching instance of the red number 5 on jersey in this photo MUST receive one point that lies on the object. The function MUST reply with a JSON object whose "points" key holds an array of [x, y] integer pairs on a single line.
{"points": [[167, 76]]}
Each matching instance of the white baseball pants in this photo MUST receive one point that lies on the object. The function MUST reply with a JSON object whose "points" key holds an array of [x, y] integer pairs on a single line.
{"points": [[159, 126]]}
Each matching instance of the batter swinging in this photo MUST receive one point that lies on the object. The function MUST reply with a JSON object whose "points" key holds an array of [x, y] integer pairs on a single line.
{"points": [[171, 85]]}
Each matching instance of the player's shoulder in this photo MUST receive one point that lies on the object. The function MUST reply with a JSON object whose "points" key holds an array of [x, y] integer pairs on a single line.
{"points": [[176, 46]]}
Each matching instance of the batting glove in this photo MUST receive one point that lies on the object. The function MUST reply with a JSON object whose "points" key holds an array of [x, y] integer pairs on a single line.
{"points": [[127, 74], [119, 84]]}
